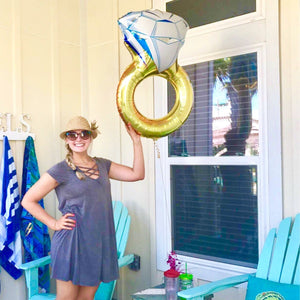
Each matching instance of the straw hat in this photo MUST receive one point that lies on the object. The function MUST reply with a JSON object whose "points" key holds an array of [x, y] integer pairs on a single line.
{"points": [[80, 123]]}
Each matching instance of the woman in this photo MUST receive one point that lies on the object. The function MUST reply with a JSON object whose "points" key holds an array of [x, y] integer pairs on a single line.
{"points": [[83, 247]]}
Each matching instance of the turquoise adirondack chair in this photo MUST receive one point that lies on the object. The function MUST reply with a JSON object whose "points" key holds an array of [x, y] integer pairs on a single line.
{"points": [[105, 291], [279, 262]]}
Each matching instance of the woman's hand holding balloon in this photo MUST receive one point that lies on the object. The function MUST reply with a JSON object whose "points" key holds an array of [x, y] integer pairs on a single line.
{"points": [[135, 136]]}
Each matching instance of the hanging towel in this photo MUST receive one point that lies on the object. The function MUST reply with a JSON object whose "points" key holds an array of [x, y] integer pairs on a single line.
{"points": [[10, 238], [35, 236]]}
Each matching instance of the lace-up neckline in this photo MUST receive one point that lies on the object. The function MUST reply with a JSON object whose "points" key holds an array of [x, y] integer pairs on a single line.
{"points": [[91, 172]]}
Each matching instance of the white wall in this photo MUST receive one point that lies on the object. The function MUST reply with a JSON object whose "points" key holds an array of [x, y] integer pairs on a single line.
{"points": [[59, 58], [39, 69], [290, 99]]}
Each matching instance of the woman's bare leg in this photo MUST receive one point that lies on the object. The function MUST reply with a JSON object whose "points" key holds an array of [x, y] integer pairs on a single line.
{"points": [[66, 290], [87, 292]]}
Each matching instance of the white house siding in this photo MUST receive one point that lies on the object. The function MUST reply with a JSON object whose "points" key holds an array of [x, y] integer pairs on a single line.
{"points": [[59, 58]]}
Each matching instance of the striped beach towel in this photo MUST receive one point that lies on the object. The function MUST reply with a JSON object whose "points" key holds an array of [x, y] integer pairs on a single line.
{"points": [[35, 236], [10, 215]]}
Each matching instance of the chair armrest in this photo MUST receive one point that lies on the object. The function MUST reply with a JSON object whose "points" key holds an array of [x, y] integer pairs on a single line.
{"points": [[213, 287], [122, 261], [125, 260], [36, 263]]}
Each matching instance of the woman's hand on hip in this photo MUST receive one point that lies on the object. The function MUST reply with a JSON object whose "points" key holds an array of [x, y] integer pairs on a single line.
{"points": [[65, 222]]}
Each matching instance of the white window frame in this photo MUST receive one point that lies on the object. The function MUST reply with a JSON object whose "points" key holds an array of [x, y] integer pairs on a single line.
{"points": [[262, 36]]}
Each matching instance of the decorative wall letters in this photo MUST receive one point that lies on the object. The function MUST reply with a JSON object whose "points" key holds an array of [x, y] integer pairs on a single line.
{"points": [[20, 133]]}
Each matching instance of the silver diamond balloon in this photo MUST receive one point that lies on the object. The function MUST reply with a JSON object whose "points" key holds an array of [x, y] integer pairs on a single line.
{"points": [[159, 34]]}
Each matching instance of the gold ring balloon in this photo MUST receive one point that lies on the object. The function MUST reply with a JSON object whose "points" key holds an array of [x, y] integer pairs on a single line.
{"points": [[154, 38]]}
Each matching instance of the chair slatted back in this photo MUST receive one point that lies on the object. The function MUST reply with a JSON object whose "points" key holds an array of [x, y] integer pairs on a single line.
{"points": [[297, 274], [292, 254], [266, 256], [280, 249], [122, 224], [279, 260]]}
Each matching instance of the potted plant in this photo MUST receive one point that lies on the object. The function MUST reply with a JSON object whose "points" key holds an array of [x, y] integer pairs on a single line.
{"points": [[171, 276]]}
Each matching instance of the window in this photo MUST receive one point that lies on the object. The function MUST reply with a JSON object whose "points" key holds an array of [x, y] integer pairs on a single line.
{"points": [[198, 13], [225, 113], [214, 180], [214, 207]]}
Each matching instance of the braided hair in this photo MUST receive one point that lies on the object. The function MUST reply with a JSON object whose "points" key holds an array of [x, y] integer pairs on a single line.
{"points": [[69, 161]]}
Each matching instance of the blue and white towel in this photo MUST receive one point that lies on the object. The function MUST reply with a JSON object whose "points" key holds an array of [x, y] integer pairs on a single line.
{"points": [[10, 215]]}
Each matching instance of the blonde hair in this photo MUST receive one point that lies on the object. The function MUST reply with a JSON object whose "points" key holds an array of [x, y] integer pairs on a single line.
{"points": [[69, 161]]}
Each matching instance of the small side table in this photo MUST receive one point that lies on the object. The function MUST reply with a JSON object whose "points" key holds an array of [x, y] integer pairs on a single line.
{"points": [[156, 293]]}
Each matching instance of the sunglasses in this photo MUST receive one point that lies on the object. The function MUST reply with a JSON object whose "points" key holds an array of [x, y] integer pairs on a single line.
{"points": [[72, 135]]}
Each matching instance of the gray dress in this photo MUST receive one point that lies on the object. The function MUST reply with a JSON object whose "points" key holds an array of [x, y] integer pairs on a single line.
{"points": [[87, 254]]}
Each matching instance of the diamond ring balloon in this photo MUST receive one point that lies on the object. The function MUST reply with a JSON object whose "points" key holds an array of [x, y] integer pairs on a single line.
{"points": [[154, 39]]}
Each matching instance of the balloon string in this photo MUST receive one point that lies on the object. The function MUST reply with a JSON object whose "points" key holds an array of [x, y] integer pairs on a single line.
{"points": [[168, 211], [157, 149]]}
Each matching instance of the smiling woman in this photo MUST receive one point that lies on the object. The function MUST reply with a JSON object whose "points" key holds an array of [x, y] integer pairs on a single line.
{"points": [[83, 248]]}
